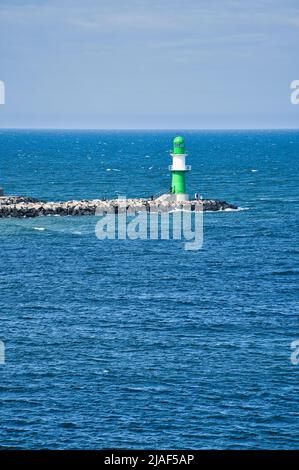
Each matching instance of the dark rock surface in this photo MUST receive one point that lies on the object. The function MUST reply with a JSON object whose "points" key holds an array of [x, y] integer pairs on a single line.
{"points": [[17, 206]]}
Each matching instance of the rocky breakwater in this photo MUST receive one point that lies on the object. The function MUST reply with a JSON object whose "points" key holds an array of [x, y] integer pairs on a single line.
{"points": [[17, 206]]}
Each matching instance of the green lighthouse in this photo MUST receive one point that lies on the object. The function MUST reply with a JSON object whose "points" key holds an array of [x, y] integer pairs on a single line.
{"points": [[179, 169]]}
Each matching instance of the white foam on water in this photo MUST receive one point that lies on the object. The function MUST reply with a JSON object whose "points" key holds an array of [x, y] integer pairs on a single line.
{"points": [[229, 209], [239, 209]]}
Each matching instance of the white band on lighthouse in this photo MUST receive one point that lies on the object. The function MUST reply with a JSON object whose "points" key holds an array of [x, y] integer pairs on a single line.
{"points": [[178, 162]]}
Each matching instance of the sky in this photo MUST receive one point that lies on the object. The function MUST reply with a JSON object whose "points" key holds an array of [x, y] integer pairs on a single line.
{"points": [[131, 64]]}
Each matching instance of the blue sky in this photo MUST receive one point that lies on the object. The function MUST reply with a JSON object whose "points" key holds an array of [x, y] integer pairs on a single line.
{"points": [[149, 64]]}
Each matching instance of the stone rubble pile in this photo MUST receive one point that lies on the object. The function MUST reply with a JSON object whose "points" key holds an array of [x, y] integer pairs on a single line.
{"points": [[16, 206]]}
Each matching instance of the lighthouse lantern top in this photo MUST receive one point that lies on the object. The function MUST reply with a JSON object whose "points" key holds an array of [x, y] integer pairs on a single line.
{"points": [[179, 145]]}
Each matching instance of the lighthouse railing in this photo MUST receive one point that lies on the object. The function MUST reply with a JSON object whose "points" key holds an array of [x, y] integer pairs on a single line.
{"points": [[173, 168]]}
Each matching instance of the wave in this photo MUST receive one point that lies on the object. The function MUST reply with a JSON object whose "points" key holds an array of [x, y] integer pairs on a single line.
{"points": [[229, 209], [279, 199], [239, 209], [289, 272]]}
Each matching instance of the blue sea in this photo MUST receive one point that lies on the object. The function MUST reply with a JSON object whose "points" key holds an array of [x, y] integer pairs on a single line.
{"points": [[142, 344]]}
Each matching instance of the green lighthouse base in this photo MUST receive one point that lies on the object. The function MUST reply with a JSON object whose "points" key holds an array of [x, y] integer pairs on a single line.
{"points": [[178, 186]]}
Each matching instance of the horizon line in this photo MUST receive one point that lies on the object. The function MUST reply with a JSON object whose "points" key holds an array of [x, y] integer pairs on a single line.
{"points": [[149, 129]]}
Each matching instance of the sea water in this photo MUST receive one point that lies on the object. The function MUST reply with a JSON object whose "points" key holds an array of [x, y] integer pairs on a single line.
{"points": [[142, 344]]}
